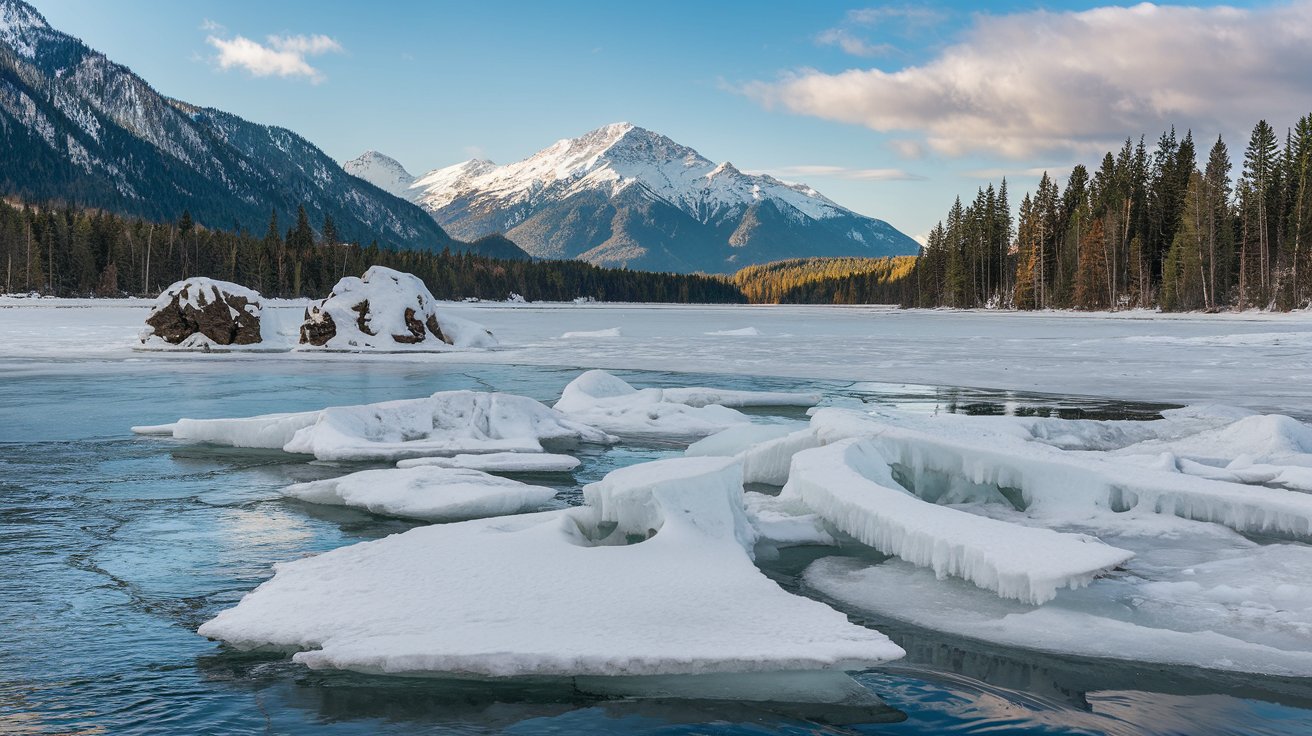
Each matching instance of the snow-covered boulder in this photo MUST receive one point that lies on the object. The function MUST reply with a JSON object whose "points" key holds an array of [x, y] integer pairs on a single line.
{"points": [[426, 493], [199, 311], [389, 310], [559, 594], [446, 423]]}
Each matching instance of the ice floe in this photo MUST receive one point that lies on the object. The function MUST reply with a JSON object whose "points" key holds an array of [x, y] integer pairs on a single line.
{"points": [[559, 593], [427, 493], [500, 462], [953, 457], [446, 423], [851, 485], [686, 413]]}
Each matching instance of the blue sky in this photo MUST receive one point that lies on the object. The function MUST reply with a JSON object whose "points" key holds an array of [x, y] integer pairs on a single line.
{"points": [[861, 101]]}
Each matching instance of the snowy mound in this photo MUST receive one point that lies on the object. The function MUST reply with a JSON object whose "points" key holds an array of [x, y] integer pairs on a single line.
{"points": [[387, 310], [200, 312], [451, 599], [608, 402], [500, 462], [744, 332], [446, 423], [852, 487], [426, 493], [609, 332], [601, 400]]}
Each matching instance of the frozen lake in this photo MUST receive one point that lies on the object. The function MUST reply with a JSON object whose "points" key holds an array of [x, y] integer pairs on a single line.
{"points": [[116, 548], [1256, 360]]}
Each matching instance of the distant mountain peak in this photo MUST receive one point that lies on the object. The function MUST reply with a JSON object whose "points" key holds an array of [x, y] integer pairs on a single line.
{"points": [[382, 171], [581, 197]]}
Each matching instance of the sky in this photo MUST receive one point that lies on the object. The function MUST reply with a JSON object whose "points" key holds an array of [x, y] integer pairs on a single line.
{"points": [[891, 110]]}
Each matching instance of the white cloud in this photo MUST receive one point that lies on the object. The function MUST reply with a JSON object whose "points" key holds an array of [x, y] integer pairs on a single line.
{"points": [[899, 19], [1015, 85], [852, 44], [840, 172], [280, 56]]}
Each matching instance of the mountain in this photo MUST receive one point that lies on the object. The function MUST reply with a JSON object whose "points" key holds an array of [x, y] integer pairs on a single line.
{"points": [[384, 172], [625, 196], [76, 127]]}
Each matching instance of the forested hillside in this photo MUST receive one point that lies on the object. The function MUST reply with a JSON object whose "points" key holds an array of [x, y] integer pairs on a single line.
{"points": [[1144, 229], [827, 281], [68, 252]]}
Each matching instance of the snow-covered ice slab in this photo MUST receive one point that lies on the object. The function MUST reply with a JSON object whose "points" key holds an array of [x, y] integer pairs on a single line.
{"points": [[765, 450], [1196, 594], [426, 493], [851, 485], [446, 423], [267, 431], [604, 401], [500, 462], [956, 457], [554, 594]]}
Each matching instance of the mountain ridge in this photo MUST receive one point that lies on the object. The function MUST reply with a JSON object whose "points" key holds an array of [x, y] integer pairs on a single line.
{"points": [[75, 126], [622, 195]]}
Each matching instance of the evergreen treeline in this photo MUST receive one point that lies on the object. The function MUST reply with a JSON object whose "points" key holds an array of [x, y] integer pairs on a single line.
{"points": [[1145, 229], [826, 281], [68, 252]]}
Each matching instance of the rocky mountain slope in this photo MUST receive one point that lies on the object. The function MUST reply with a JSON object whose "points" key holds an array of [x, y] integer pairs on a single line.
{"points": [[79, 128]]}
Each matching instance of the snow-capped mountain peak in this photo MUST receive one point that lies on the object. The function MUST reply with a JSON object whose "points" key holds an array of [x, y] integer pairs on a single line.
{"points": [[382, 171], [556, 202]]}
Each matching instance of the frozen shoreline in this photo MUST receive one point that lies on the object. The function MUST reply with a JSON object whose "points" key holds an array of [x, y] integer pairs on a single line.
{"points": [[1259, 360]]}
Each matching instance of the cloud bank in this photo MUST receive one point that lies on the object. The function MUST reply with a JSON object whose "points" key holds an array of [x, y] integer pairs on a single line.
{"points": [[280, 56], [1027, 83]]}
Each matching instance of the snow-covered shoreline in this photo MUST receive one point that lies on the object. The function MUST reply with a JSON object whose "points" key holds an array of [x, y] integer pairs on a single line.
{"points": [[1259, 360]]}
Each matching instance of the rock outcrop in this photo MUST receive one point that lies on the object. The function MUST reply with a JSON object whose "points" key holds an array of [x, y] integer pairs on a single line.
{"points": [[223, 313], [386, 309]]}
